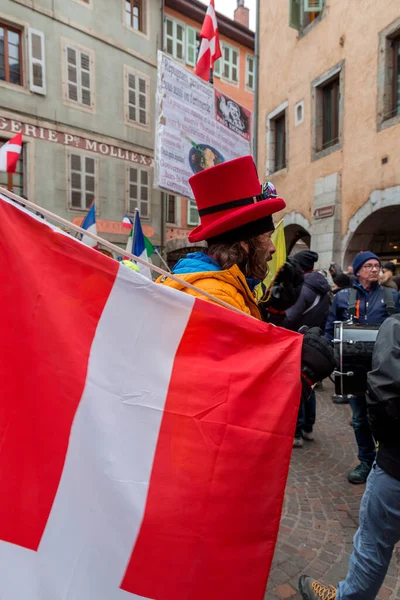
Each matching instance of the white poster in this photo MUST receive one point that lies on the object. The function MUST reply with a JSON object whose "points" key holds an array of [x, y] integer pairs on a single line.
{"points": [[197, 127]]}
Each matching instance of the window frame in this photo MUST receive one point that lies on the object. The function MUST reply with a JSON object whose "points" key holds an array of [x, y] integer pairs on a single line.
{"points": [[175, 24], [395, 112], [231, 50], [387, 114], [20, 31], [168, 197], [66, 43], [138, 75], [333, 85], [281, 118], [279, 112], [83, 156], [253, 73], [142, 16], [302, 18], [128, 199], [319, 146], [191, 204]]}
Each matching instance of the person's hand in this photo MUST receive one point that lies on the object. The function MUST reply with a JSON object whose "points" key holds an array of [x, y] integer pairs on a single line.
{"points": [[286, 287]]}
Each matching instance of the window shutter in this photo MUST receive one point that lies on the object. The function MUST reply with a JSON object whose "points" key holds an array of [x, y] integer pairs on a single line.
{"points": [[294, 14], [72, 74], [191, 46], [179, 41], [313, 5], [131, 97], [193, 213], [85, 79], [142, 101], [37, 68]]}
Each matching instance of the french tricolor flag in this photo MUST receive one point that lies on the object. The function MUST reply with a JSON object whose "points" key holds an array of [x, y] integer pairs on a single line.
{"points": [[89, 223], [145, 434]]}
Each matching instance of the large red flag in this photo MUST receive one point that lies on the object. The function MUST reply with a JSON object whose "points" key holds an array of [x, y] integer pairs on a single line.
{"points": [[145, 435], [9, 154], [210, 49]]}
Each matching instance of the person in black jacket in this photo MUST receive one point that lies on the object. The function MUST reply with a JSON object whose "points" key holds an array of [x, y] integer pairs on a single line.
{"points": [[379, 529], [311, 310]]}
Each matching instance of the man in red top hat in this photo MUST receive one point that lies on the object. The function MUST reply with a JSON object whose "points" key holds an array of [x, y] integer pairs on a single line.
{"points": [[236, 222]]}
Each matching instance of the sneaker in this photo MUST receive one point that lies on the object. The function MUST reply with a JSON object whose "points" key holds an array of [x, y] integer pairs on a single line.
{"points": [[298, 442], [360, 473], [310, 589], [308, 435], [337, 399]]}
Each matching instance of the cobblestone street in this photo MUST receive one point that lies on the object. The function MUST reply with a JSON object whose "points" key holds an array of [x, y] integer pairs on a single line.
{"points": [[320, 513]]}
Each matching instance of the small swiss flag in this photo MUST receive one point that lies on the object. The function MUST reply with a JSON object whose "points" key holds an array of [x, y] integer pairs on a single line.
{"points": [[210, 49], [9, 154]]}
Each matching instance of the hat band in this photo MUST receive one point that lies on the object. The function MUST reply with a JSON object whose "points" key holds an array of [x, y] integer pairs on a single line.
{"points": [[210, 210]]}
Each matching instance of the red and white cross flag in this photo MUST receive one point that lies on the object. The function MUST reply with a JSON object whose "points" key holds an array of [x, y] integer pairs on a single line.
{"points": [[145, 434], [9, 154], [210, 49]]}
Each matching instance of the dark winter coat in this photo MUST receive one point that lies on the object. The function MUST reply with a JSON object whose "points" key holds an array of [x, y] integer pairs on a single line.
{"points": [[312, 307], [372, 306], [383, 397]]}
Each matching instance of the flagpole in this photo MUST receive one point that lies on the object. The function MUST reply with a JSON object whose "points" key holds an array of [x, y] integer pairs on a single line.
{"points": [[134, 228], [162, 260], [211, 80]]}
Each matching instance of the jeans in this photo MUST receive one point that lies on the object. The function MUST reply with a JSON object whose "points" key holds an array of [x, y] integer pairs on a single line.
{"points": [[375, 539], [306, 416], [362, 431]]}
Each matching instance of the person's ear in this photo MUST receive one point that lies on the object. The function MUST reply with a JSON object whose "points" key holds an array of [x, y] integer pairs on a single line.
{"points": [[245, 246]]}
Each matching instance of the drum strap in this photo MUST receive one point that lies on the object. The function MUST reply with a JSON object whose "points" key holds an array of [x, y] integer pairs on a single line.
{"points": [[352, 303], [390, 306]]}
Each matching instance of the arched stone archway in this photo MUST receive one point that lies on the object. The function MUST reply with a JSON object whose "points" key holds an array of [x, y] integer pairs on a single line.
{"points": [[297, 232], [375, 227]]}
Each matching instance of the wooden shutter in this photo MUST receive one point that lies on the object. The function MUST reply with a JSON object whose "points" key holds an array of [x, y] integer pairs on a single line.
{"points": [[37, 68], [90, 180], [133, 190], [142, 85], [191, 46], [131, 91], [179, 41], [313, 5], [235, 66], [193, 213], [72, 74], [294, 14], [75, 180], [144, 193], [85, 79], [217, 67]]}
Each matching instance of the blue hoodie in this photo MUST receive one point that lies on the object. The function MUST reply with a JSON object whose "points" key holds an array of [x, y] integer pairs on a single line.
{"points": [[372, 306]]}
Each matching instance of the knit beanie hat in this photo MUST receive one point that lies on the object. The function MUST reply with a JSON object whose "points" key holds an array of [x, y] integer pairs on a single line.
{"points": [[390, 266], [361, 258], [306, 259], [342, 280]]}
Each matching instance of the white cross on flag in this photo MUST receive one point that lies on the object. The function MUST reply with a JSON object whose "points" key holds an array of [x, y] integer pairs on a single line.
{"points": [[210, 49], [9, 154]]}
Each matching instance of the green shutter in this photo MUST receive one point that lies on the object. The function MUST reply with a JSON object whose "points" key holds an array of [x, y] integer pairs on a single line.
{"points": [[294, 14], [190, 46], [217, 68], [313, 5]]}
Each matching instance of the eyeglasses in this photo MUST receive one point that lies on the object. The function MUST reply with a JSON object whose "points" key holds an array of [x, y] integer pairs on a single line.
{"points": [[372, 267]]}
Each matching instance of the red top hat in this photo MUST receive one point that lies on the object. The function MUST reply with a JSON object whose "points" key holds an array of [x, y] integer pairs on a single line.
{"points": [[226, 197]]}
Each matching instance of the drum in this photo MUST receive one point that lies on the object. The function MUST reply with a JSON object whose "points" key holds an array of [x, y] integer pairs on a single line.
{"points": [[353, 347]]}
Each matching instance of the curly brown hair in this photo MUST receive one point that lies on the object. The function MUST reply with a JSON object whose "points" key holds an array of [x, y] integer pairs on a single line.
{"points": [[251, 263]]}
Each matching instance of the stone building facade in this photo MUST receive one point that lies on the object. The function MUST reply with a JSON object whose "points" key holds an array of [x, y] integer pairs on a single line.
{"points": [[329, 122], [78, 78]]}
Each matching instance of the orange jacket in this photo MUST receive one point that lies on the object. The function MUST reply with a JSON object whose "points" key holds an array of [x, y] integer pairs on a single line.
{"points": [[228, 285]]}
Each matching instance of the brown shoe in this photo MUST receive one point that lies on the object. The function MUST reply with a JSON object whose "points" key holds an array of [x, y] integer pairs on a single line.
{"points": [[310, 589]]}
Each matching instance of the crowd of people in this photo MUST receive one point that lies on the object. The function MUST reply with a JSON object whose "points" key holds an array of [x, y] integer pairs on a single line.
{"points": [[236, 223]]}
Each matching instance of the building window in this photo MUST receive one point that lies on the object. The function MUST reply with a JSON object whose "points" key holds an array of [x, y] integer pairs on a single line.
{"points": [[327, 112], [250, 72], [138, 191], [193, 218], [330, 113], [277, 123], [10, 54], [82, 181], [134, 13], [136, 98], [304, 12], [79, 76], [230, 64], [170, 209], [396, 77], [174, 38], [14, 182]]}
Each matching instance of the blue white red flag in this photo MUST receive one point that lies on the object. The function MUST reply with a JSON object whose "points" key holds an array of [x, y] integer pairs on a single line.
{"points": [[89, 224]]}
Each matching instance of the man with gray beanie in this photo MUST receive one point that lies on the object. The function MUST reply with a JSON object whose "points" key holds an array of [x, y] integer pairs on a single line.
{"points": [[370, 304]]}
